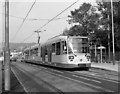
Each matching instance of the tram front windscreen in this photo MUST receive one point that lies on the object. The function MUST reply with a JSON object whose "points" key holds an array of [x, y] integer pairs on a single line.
{"points": [[78, 45]]}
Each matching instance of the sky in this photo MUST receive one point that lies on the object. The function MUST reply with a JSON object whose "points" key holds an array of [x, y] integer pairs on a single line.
{"points": [[42, 10]]}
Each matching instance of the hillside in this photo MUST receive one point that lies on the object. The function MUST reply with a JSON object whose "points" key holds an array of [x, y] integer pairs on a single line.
{"points": [[17, 46]]}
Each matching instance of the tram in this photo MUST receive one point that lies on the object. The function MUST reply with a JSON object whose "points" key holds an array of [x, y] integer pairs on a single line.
{"points": [[61, 51]]}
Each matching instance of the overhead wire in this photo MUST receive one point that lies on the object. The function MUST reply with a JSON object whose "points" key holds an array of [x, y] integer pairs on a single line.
{"points": [[52, 19], [24, 20], [33, 19], [57, 15], [13, 16]]}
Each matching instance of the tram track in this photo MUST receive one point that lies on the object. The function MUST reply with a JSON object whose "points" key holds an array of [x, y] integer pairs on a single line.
{"points": [[92, 76], [73, 78], [103, 75], [92, 69], [92, 72], [81, 78], [54, 89], [97, 76]]}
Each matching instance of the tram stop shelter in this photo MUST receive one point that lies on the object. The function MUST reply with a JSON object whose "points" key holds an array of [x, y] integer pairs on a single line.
{"points": [[98, 54], [102, 53]]}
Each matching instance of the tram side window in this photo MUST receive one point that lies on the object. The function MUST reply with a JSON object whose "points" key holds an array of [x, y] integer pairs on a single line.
{"points": [[64, 47], [27, 54], [45, 50], [36, 52], [53, 48], [58, 48], [84, 40], [41, 51]]}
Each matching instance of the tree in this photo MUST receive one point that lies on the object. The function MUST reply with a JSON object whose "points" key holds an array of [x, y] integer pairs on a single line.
{"points": [[80, 18], [65, 32], [96, 20], [85, 20], [105, 21]]}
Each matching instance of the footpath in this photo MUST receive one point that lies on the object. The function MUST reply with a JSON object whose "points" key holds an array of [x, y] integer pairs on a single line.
{"points": [[16, 86], [107, 66]]}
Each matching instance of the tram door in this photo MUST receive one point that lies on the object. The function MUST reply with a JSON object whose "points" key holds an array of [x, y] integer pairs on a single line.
{"points": [[43, 53], [50, 53]]}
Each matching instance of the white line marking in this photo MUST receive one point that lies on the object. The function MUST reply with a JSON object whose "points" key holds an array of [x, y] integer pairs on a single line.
{"points": [[20, 82], [95, 81], [57, 71], [75, 75], [87, 78], [44, 68], [84, 78], [92, 74], [81, 77]]}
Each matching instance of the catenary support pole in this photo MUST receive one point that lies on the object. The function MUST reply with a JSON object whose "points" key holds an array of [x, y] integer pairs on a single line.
{"points": [[7, 51], [113, 33], [109, 51]]}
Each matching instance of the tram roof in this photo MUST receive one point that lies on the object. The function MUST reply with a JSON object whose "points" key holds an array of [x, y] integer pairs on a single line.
{"points": [[64, 36], [32, 47], [61, 38]]}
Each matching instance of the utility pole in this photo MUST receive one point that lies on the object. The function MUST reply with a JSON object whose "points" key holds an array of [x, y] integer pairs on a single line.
{"points": [[39, 41], [38, 35], [113, 33], [3, 28], [7, 51], [95, 53], [3, 42], [108, 40]]}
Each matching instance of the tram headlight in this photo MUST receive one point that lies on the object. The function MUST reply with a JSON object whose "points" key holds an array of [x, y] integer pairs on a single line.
{"points": [[88, 57], [71, 57], [81, 60]]}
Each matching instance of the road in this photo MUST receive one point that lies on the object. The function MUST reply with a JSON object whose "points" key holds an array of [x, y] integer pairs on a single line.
{"points": [[43, 79]]}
